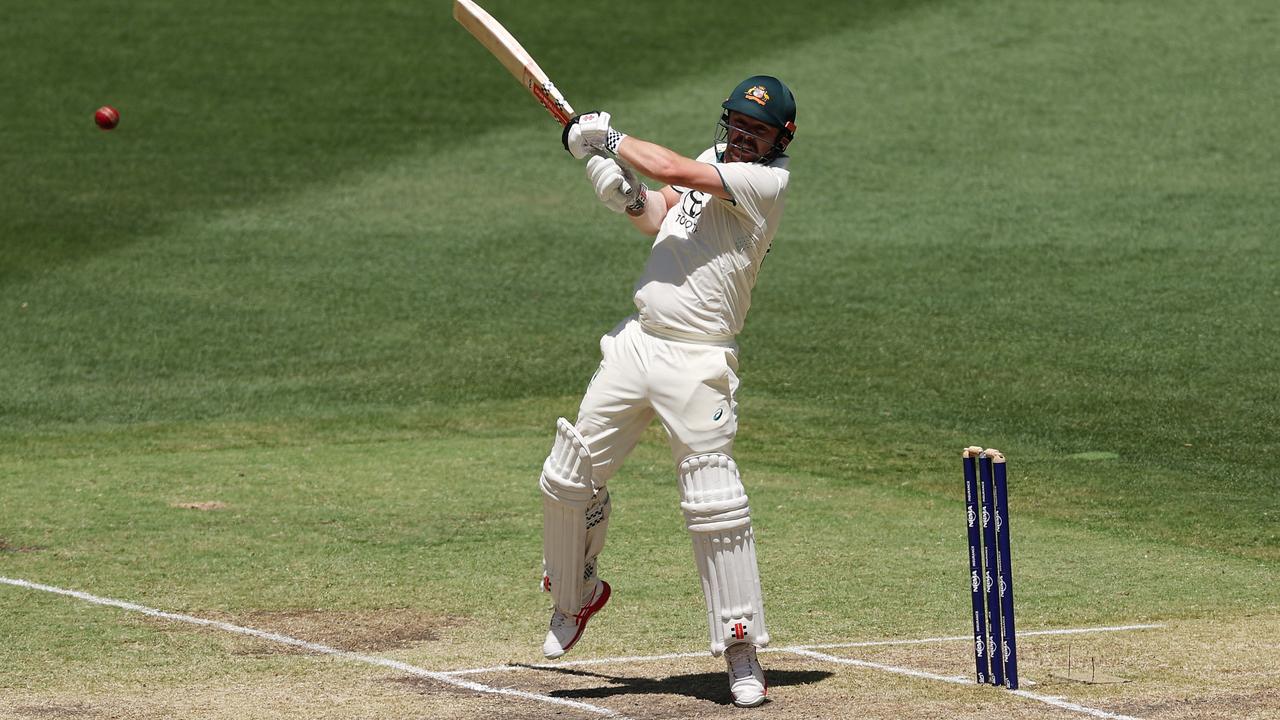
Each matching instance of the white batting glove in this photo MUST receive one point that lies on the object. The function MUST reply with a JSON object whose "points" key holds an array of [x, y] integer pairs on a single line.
{"points": [[610, 183], [616, 185], [590, 131]]}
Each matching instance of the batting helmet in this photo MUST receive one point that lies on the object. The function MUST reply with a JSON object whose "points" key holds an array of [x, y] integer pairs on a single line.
{"points": [[769, 100]]}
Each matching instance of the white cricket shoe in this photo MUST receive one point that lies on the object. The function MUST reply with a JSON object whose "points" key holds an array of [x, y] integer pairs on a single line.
{"points": [[566, 629], [746, 677]]}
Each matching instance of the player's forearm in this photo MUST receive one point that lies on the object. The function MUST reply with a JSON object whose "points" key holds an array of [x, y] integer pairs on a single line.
{"points": [[653, 160], [671, 168]]}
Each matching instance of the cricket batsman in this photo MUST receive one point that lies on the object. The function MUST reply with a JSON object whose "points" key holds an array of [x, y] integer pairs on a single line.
{"points": [[676, 359]]}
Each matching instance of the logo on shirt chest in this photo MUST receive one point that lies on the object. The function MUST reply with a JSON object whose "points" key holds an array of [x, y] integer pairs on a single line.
{"points": [[691, 209]]}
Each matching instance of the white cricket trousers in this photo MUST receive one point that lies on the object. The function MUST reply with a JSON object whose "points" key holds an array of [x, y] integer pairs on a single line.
{"points": [[689, 386]]}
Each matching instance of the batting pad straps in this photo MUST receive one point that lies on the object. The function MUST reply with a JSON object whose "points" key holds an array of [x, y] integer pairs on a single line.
{"points": [[597, 528], [567, 494], [718, 517]]}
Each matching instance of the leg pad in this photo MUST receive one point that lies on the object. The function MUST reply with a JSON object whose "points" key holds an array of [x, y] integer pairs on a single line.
{"points": [[574, 519], [718, 517]]}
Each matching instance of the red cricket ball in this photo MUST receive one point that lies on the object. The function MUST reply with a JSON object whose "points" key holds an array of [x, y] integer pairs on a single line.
{"points": [[107, 117]]}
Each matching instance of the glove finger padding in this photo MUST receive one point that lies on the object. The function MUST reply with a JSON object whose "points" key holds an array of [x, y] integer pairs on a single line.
{"points": [[604, 173], [609, 181]]}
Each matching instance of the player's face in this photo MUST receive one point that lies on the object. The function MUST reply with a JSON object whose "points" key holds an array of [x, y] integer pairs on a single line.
{"points": [[749, 139]]}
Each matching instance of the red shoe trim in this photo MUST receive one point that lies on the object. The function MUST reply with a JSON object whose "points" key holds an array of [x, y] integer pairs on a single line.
{"points": [[585, 614]]}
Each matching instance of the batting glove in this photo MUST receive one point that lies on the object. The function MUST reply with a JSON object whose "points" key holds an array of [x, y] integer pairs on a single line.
{"points": [[590, 131], [616, 185], [610, 183]]}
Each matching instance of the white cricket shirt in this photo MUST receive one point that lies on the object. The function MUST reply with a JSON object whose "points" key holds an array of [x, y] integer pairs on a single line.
{"points": [[708, 252]]}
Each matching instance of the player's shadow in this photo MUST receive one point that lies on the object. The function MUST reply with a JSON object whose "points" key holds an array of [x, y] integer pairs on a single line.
{"points": [[711, 686]]}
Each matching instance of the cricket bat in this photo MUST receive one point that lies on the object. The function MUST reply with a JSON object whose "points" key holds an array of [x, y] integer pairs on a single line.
{"points": [[513, 57]]}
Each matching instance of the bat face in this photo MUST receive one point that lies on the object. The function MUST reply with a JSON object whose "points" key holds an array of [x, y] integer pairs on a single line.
{"points": [[513, 56]]}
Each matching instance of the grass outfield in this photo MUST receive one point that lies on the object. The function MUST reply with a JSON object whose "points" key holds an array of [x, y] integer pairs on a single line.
{"points": [[335, 275]]}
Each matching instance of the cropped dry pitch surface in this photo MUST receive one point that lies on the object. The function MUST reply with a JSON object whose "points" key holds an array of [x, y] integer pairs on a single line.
{"points": [[1185, 670]]}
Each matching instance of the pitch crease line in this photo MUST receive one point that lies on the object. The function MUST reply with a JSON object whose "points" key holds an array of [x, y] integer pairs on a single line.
{"points": [[958, 680], [952, 638], [826, 646], [314, 647]]}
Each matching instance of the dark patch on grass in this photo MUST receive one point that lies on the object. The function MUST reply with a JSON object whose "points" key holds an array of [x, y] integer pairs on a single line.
{"points": [[353, 631], [357, 631], [204, 506], [8, 547]]}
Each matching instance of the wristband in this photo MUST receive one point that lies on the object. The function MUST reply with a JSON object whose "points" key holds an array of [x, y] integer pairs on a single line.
{"points": [[612, 139]]}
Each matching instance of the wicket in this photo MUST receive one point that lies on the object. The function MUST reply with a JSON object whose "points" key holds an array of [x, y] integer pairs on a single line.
{"points": [[986, 494]]}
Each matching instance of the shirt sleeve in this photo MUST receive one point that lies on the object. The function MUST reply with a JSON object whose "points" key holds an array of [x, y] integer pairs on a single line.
{"points": [[755, 188]]}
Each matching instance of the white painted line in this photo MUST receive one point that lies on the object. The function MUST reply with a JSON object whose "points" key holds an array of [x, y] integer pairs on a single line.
{"points": [[960, 680], [1077, 631], [314, 647], [1059, 702], [827, 646], [952, 638], [956, 679]]}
